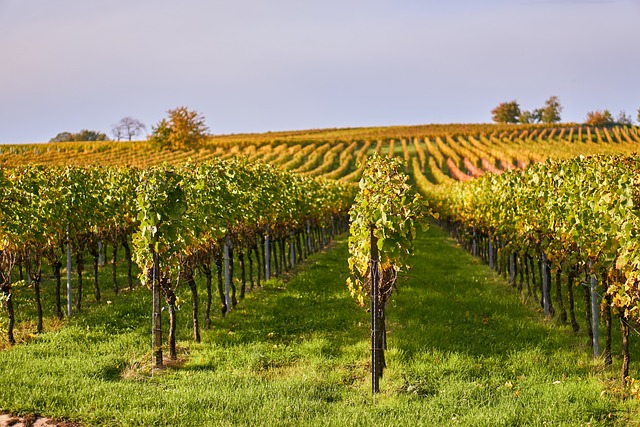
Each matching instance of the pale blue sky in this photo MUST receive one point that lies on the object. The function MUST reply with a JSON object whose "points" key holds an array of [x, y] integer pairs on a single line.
{"points": [[253, 66]]}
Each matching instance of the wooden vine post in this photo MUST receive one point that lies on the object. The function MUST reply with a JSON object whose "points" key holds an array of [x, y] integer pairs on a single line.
{"points": [[69, 296], [546, 285], [267, 256], [157, 311], [376, 342], [593, 283], [227, 276]]}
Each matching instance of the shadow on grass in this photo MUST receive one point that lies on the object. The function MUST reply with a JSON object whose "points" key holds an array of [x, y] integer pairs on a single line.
{"points": [[309, 311], [452, 303]]}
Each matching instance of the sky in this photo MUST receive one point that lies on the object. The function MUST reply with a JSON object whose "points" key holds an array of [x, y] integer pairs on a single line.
{"points": [[258, 65]]}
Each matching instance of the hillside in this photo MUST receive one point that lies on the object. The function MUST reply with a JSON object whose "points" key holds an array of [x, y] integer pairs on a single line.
{"points": [[456, 151]]}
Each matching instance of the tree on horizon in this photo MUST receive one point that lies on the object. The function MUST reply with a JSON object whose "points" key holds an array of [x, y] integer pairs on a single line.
{"points": [[183, 130], [599, 118], [127, 127], [83, 135], [506, 112]]}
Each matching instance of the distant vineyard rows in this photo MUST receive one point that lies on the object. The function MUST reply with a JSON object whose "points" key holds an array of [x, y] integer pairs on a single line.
{"points": [[443, 154]]}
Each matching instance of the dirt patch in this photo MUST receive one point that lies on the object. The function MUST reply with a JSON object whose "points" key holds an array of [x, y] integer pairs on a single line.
{"points": [[7, 420]]}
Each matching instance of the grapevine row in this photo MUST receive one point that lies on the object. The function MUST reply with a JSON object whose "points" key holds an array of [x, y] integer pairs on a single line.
{"points": [[181, 217], [572, 217]]}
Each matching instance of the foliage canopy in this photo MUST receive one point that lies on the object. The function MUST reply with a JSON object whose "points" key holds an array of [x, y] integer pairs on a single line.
{"points": [[182, 130], [83, 135], [510, 112], [599, 118], [506, 112], [386, 204], [550, 113]]}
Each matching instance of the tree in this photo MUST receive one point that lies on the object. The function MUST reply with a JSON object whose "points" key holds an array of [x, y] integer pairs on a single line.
{"points": [[506, 112], [62, 137], [183, 130], [91, 135], [83, 135], [550, 113], [528, 117], [599, 118], [624, 119], [638, 118], [128, 127]]}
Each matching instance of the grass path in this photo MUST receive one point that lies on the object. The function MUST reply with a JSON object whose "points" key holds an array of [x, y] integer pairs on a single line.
{"points": [[463, 349]]}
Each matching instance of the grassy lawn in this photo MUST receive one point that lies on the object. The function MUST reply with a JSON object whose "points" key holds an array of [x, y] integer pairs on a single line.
{"points": [[463, 349]]}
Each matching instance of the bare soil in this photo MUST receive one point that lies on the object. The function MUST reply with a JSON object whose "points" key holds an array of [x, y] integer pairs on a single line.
{"points": [[7, 420]]}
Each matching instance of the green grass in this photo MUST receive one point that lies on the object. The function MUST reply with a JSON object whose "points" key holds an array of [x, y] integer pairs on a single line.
{"points": [[463, 349]]}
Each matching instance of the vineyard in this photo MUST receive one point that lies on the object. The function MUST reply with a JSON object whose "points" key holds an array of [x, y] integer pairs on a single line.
{"points": [[456, 151], [554, 210]]}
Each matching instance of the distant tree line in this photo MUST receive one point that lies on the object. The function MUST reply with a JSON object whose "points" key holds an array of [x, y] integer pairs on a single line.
{"points": [[183, 129], [127, 128], [510, 112], [605, 118], [83, 135]]}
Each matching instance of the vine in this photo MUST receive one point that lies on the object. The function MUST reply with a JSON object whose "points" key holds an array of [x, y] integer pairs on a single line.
{"points": [[381, 238]]}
